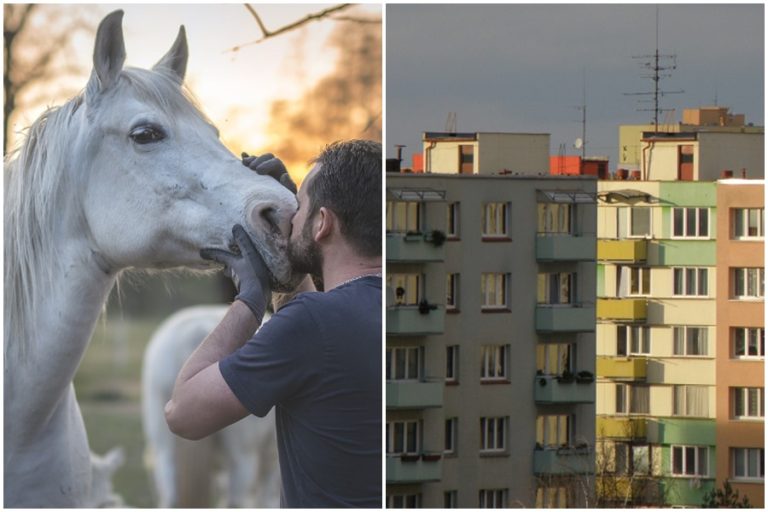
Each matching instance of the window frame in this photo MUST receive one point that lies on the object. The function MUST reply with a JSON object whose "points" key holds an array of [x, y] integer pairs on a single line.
{"points": [[452, 287], [631, 211], [391, 436], [494, 218], [484, 292], [631, 334], [742, 232], [498, 498], [687, 405], [404, 498], [489, 354], [451, 436], [760, 283], [760, 464], [410, 353], [392, 215], [392, 277], [685, 280], [452, 364], [564, 213], [453, 220], [741, 394], [685, 222], [760, 343], [630, 397], [684, 341], [697, 451], [494, 427]]}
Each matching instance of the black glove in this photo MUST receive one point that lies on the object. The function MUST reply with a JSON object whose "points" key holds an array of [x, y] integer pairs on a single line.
{"points": [[267, 164], [247, 270]]}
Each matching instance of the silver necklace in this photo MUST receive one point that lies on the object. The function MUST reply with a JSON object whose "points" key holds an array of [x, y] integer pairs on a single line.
{"points": [[358, 277]]}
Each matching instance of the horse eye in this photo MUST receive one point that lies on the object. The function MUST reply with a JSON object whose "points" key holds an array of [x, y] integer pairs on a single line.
{"points": [[147, 134]]}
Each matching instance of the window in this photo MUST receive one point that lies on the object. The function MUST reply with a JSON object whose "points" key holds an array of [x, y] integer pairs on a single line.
{"points": [[450, 499], [748, 283], [551, 497], [553, 430], [403, 216], [452, 220], [493, 362], [633, 281], [554, 218], [690, 281], [495, 219], [690, 341], [451, 435], [493, 433], [403, 363], [407, 288], [403, 437], [494, 290], [690, 461], [493, 498], [555, 358], [556, 288], [631, 459], [632, 399], [747, 403], [451, 291], [690, 401], [748, 463], [748, 342], [452, 363], [633, 340], [690, 222], [404, 501], [639, 221], [747, 223]]}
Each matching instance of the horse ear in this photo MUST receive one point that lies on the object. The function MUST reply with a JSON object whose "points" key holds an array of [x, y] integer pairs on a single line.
{"points": [[176, 58], [109, 51]]}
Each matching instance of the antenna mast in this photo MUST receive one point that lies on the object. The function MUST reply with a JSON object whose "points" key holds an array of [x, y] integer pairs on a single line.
{"points": [[653, 63]]}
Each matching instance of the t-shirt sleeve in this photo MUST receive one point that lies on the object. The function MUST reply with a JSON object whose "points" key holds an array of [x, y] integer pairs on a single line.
{"points": [[277, 362]]}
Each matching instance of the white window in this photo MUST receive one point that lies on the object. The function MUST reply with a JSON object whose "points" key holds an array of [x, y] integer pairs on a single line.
{"points": [[748, 463], [554, 218], [747, 223], [403, 216], [451, 499], [553, 430], [451, 291], [690, 281], [451, 435], [551, 497], [452, 220], [633, 281], [639, 221], [632, 399], [690, 222], [493, 362], [633, 340], [556, 288], [748, 283], [748, 403], [493, 287], [632, 459], [403, 437], [690, 341], [407, 288], [403, 363], [496, 220], [690, 401], [690, 461], [555, 358], [452, 363], [493, 498], [493, 434], [404, 500], [748, 342]]}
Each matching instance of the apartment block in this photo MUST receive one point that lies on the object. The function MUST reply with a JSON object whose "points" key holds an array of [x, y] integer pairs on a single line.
{"points": [[740, 348], [490, 336]]}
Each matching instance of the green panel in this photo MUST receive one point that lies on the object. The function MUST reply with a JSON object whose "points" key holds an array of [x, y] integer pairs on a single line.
{"points": [[681, 431], [414, 395], [600, 280], [688, 193], [678, 492], [682, 252]]}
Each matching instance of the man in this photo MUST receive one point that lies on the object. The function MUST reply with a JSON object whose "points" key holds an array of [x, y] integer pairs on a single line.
{"points": [[318, 359]]}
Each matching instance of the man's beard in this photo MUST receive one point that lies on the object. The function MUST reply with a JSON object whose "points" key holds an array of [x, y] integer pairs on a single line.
{"points": [[304, 254]]}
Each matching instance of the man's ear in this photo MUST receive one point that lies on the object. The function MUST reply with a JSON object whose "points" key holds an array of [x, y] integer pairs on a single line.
{"points": [[325, 223]]}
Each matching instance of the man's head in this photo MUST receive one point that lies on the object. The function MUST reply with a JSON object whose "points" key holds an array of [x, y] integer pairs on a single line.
{"points": [[346, 182]]}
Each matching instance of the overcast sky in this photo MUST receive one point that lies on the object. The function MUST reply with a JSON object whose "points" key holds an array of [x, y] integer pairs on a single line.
{"points": [[519, 68]]}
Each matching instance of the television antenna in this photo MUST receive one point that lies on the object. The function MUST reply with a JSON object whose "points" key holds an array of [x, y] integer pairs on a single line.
{"points": [[450, 123]]}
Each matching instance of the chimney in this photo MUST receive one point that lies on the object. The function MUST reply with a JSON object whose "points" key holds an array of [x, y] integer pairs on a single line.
{"points": [[635, 175], [726, 174], [744, 172]]}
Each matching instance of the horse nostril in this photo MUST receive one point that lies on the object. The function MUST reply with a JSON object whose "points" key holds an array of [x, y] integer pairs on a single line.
{"points": [[269, 215]]}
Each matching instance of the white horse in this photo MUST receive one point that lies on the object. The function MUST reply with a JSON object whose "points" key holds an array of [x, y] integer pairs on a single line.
{"points": [[129, 174], [248, 448]]}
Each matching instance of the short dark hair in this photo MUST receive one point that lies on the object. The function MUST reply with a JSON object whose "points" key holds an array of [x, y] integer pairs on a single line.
{"points": [[349, 184]]}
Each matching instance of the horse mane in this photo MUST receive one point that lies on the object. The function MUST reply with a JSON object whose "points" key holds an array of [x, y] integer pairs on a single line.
{"points": [[39, 177]]}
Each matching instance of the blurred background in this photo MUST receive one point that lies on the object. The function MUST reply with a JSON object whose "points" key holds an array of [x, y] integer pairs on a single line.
{"points": [[286, 79]]}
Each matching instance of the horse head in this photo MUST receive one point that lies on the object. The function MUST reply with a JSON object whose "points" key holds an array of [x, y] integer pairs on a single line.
{"points": [[157, 183]]}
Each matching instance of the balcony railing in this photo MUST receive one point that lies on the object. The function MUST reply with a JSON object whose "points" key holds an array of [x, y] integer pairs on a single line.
{"points": [[414, 394], [625, 309], [565, 318], [563, 461], [630, 368], [622, 250], [414, 321], [567, 389], [621, 427], [564, 247], [415, 247], [407, 469]]}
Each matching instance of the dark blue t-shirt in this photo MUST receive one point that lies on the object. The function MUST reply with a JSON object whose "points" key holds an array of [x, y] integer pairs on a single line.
{"points": [[318, 361]]}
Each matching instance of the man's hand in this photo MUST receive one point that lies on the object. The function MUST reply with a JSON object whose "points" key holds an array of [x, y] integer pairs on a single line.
{"points": [[247, 270], [267, 164]]}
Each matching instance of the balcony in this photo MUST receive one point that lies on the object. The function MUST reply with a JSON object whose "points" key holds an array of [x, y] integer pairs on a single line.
{"points": [[415, 247], [408, 321], [630, 368], [550, 389], [667, 431], [565, 318], [565, 248], [413, 469], [621, 427], [563, 461], [626, 310], [414, 394], [622, 250]]}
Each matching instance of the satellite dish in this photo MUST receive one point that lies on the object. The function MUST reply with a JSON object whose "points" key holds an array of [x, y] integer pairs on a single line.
{"points": [[578, 143]]}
